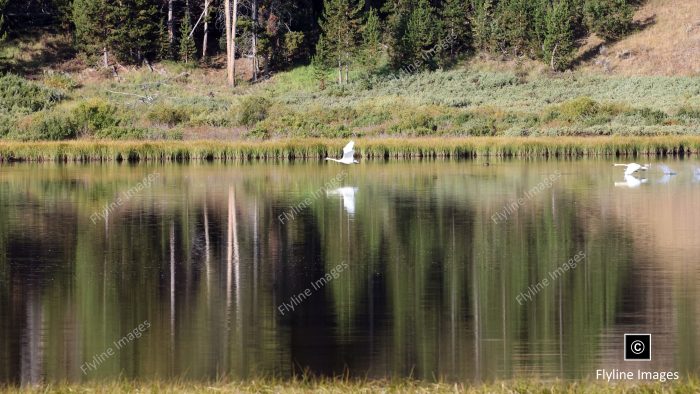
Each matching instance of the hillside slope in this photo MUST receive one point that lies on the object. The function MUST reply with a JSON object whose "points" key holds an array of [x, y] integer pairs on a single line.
{"points": [[668, 42]]}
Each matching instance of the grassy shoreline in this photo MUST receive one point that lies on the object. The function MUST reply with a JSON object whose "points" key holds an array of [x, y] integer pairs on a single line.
{"points": [[339, 385], [314, 149]]}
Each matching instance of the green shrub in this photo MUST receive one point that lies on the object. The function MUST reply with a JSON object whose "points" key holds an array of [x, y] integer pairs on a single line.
{"points": [[648, 116], [252, 110], [578, 109], [122, 133], [371, 117], [482, 127], [166, 114], [689, 112], [581, 110], [415, 124], [258, 133], [20, 95], [94, 115], [53, 126], [172, 134], [213, 119], [609, 19], [59, 81]]}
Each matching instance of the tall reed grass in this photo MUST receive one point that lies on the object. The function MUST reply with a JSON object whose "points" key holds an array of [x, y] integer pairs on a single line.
{"points": [[314, 149]]}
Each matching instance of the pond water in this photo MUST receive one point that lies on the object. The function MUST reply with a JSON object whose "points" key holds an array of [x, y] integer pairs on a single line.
{"points": [[430, 269]]}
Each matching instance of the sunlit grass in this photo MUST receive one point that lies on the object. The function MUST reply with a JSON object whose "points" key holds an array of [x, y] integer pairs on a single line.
{"points": [[342, 385], [87, 150]]}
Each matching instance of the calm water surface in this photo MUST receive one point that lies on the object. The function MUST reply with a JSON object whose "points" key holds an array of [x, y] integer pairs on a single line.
{"points": [[430, 269]]}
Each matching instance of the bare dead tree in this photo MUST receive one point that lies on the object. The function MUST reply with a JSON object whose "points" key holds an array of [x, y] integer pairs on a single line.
{"points": [[206, 28]]}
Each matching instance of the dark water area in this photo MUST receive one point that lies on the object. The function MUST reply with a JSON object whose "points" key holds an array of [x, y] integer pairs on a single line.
{"points": [[429, 269]]}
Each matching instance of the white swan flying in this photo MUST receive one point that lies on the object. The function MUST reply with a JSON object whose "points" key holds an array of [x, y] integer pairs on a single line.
{"points": [[631, 168], [348, 154]]}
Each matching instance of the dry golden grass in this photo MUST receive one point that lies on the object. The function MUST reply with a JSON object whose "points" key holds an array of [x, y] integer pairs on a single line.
{"points": [[669, 45], [342, 385]]}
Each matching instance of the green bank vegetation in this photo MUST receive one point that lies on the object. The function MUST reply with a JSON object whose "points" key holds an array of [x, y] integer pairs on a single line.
{"points": [[339, 385], [180, 104], [388, 69], [365, 148]]}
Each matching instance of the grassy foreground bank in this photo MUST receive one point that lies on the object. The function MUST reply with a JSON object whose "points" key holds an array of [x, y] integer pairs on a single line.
{"points": [[351, 386], [465, 147]]}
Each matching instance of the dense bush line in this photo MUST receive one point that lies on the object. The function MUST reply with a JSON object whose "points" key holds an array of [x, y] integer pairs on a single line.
{"points": [[443, 103]]}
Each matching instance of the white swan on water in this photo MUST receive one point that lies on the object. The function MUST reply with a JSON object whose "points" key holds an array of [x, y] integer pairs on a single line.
{"points": [[348, 155]]}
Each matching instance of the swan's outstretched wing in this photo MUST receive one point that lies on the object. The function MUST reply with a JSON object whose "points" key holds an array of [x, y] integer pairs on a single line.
{"points": [[349, 151], [632, 168]]}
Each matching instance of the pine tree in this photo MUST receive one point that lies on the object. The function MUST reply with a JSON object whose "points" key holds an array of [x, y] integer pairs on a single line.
{"points": [[133, 30], [559, 44], [538, 10], [398, 12], [188, 49], [3, 33], [455, 17], [511, 27], [609, 19], [340, 26], [127, 29], [91, 30], [371, 39], [481, 21], [319, 63], [165, 51], [420, 39]]}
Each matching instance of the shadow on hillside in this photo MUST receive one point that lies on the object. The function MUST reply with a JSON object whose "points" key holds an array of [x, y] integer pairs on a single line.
{"points": [[599, 49], [34, 51]]}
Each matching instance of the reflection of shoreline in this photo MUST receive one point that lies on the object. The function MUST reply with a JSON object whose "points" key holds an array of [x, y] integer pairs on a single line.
{"points": [[510, 208], [660, 295], [295, 210], [533, 290], [125, 197], [435, 270], [101, 358], [299, 298]]}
